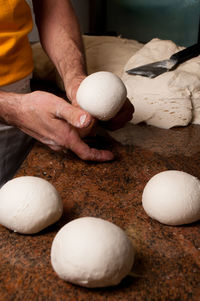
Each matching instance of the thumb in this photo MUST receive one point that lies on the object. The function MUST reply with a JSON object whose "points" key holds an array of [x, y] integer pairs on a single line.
{"points": [[73, 115]]}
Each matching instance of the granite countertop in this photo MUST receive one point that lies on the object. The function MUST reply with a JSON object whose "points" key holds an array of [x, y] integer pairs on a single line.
{"points": [[167, 258]]}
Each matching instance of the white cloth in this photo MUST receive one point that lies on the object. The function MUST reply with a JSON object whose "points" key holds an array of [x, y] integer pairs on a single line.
{"points": [[14, 144]]}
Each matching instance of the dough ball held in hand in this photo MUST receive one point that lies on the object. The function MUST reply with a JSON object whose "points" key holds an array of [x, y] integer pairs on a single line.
{"points": [[102, 94], [92, 252], [172, 197], [29, 204]]}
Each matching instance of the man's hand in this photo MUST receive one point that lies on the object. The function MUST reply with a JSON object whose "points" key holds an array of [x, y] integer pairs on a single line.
{"points": [[52, 121], [117, 122], [122, 117]]}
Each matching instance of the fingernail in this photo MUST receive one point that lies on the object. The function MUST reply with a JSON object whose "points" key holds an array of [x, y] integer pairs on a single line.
{"points": [[82, 119]]}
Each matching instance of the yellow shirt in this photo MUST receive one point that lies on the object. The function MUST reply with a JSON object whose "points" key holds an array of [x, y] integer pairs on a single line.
{"points": [[15, 51]]}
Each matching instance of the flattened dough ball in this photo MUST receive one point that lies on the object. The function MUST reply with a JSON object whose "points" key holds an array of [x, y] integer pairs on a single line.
{"points": [[172, 197], [29, 204], [92, 252], [102, 94]]}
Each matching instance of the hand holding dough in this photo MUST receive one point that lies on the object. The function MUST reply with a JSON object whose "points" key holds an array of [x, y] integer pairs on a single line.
{"points": [[102, 94]]}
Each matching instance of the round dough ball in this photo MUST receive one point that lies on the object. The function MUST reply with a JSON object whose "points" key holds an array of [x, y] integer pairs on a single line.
{"points": [[29, 204], [92, 252], [102, 94], [172, 198]]}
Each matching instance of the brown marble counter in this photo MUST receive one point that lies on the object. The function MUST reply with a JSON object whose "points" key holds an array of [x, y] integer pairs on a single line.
{"points": [[167, 263]]}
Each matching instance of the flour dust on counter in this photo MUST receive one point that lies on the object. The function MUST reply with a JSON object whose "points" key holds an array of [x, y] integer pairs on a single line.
{"points": [[29, 204]]}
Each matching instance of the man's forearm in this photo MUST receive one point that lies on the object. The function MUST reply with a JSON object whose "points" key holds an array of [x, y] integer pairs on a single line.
{"points": [[9, 107], [61, 38]]}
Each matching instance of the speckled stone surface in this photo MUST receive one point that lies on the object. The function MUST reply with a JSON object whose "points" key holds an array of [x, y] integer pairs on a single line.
{"points": [[167, 263]]}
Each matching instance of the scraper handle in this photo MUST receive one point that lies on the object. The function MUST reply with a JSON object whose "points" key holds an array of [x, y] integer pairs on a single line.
{"points": [[186, 53]]}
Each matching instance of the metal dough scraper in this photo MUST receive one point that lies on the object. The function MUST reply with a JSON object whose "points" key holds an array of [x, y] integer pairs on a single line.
{"points": [[154, 69]]}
